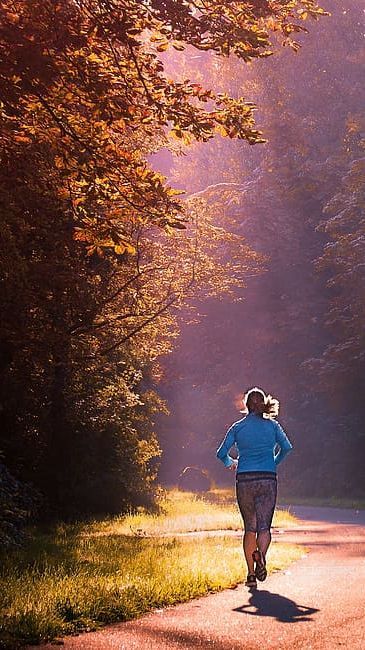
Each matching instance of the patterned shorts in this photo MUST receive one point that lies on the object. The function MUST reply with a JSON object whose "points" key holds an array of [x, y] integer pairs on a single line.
{"points": [[256, 496]]}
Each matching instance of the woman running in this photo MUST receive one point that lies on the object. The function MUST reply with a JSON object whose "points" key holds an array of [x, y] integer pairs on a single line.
{"points": [[262, 445]]}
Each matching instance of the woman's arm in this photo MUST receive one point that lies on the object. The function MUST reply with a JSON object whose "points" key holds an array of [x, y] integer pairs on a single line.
{"points": [[222, 451], [283, 442]]}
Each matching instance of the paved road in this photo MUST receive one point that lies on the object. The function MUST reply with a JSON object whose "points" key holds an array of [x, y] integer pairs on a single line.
{"points": [[317, 604], [330, 515]]}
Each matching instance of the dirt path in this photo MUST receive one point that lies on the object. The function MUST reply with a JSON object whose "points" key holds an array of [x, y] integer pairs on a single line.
{"points": [[317, 604]]}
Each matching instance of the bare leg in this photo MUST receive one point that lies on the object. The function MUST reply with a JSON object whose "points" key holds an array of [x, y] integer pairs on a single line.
{"points": [[263, 541], [249, 546]]}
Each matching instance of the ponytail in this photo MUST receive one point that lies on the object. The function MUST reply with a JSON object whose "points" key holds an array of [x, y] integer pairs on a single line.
{"points": [[271, 407]]}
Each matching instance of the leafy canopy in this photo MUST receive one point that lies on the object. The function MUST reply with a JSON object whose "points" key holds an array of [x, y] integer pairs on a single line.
{"points": [[83, 86]]}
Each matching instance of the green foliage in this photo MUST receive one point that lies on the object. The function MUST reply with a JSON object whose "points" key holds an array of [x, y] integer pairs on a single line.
{"points": [[17, 503]]}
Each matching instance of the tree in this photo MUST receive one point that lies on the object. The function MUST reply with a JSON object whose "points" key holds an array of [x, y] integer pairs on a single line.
{"points": [[340, 366], [99, 255], [275, 194]]}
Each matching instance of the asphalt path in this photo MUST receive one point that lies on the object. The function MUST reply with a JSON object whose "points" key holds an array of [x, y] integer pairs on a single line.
{"points": [[330, 515], [318, 603]]}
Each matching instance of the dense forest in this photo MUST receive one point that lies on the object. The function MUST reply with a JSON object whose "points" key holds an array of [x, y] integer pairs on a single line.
{"points": [[123, 298], [297, 329]]}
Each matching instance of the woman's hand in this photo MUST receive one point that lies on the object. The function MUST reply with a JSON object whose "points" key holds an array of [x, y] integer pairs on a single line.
{"points": [[233, 467]]}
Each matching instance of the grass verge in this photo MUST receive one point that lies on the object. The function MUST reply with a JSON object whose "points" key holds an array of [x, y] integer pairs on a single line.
{"points": [[78, 577], [326, 502], [183, 512]]}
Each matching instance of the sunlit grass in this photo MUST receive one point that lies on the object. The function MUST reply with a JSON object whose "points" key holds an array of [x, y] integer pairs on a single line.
{"points": [[184, 512], [79, 576]]}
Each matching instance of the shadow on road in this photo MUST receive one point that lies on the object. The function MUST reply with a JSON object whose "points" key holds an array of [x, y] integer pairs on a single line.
{"points": [[188, 640], [277, 606]]}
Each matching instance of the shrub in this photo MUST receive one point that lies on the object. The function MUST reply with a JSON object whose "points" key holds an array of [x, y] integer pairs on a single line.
{"points": [[17, 502]]}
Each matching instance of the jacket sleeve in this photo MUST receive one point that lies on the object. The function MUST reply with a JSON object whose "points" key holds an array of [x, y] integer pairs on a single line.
{"points": [[282, 442], [228, 442]]}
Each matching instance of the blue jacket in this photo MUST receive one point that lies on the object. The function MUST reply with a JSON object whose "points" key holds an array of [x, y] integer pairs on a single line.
{"points": [[261, 442]]}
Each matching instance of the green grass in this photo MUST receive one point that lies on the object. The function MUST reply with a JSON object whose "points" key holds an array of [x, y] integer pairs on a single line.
{"points": [[183, 512], [80, 576], [330, 502]]}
